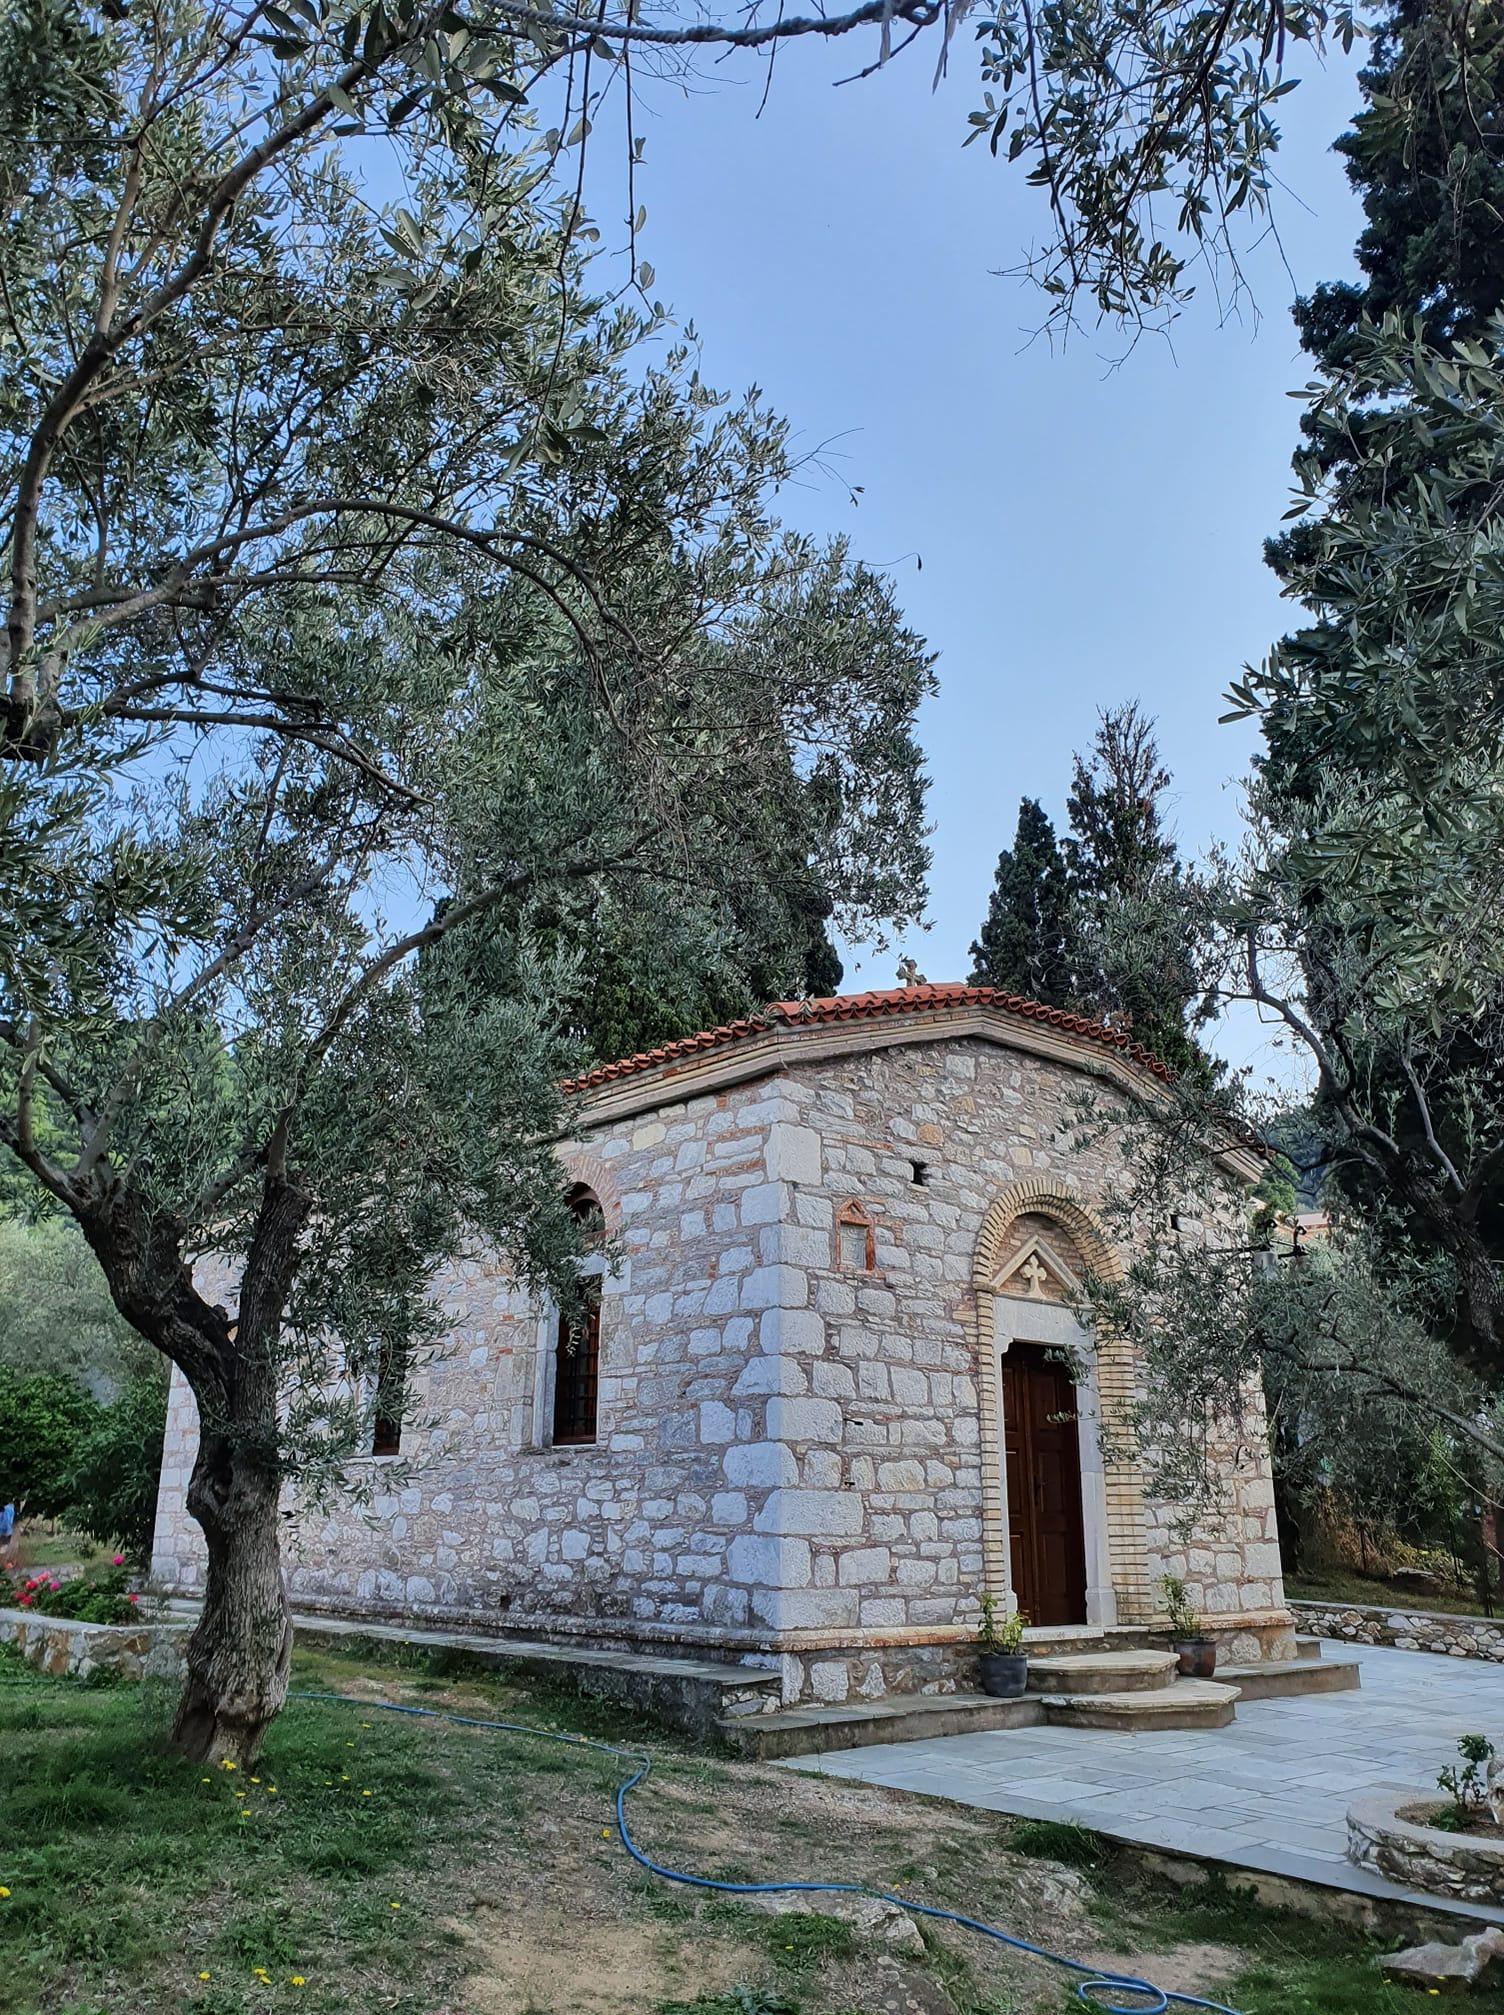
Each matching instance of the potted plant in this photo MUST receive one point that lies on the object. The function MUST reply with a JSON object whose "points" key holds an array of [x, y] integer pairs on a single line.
{"points": [[1000, 1655], [1196, 1651]]}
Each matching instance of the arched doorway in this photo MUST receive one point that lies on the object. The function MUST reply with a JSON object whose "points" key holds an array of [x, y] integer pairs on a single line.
{"points": [[1063, 1524]]}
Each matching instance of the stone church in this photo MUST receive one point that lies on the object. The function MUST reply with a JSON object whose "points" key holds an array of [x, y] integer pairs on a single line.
{"points": [[818, 1403]]}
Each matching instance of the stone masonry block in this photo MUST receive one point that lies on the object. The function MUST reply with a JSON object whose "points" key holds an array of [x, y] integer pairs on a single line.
{"points": [[771, 1375], [793, 1331], [760, 1465], [865, 1564], [766, 1203], [775, 1287], [792, 1154], [768, 1562], [822, 1514], [805, 1420]]}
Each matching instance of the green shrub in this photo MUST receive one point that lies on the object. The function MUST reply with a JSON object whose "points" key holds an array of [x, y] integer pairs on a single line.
{"points": [[112, 1477], [63, 1455], [43, 1418], [87, 1598]]}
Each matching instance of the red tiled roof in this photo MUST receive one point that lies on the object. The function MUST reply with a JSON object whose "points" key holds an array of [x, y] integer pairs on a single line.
{"points": [[871, 1007]]}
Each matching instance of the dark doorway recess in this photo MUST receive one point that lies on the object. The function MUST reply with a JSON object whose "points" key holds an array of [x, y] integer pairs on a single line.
{"points": [[1042, 1458]]}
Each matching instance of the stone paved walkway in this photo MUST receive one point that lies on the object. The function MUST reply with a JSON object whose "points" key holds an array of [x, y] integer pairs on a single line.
{"points": [[1269, 1792]]}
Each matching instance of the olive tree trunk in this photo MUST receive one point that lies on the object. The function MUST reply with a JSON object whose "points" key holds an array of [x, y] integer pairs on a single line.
{"points": [[239, 1654]]}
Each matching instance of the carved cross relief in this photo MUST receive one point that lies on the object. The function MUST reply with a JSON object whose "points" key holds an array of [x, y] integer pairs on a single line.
{"points": [[1034, 1275], [1038, 1273]]}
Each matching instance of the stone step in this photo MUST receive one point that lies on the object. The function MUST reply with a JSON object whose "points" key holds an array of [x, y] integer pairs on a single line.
{"points": [[1189, 1703], [897, 1717], [1280, 1678], [1102, 1672], [1307, 1647]]}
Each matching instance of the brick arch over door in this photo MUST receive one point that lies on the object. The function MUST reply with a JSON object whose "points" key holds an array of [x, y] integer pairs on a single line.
{"points": [[1037, 1197]]}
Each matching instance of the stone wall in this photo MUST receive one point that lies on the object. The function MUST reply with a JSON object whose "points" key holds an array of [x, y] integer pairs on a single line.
{"points": [[1386, 1831], [1230, 1562], [791, 1461], [67, 1649], [661, 1520], [1406, 1629]]}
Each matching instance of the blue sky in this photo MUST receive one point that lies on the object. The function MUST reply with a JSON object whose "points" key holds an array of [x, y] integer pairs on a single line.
{"points": [[1090, 522]]}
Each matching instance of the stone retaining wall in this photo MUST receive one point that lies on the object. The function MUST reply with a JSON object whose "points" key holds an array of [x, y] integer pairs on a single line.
{"points": [[66, 1649], [1405, 1629], [1380, 1837]]}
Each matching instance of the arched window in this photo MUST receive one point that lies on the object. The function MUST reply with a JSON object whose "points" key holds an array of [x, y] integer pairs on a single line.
{"points": [[577, 1352], [386, 1424]]}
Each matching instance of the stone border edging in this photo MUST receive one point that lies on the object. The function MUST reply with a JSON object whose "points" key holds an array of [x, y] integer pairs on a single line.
{"points": [[67, 1649], [1461, 1865], [1403, 1629]]}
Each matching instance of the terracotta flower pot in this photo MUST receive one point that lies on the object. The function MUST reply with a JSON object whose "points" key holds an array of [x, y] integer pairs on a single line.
{"points": [[1004, 1674]]}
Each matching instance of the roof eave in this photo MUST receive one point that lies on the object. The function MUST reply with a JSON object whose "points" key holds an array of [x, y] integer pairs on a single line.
{"points": [[782, 1046]]}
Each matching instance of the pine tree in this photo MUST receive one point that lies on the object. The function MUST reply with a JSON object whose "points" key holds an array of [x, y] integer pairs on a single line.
{"points": [[1023, 946]]}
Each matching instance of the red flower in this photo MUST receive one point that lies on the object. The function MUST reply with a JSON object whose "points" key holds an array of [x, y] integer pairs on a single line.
{"points": [[24, 1600], [133, 1598], [118, 1560]]}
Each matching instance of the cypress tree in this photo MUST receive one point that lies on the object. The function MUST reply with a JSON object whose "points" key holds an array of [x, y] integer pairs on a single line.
{"points": [[1130, 950], [1023, 946], [1426, 155]]}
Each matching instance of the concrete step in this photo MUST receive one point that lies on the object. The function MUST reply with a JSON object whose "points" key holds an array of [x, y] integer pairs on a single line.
{"points": [[1058, 1640], [1279, 1679], [1189, 1703], [1307, 1647], [897, 1717], [1102, 1672]]}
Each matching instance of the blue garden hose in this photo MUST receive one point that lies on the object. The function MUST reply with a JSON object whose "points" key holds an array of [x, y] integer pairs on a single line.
{"points": [[1094, 1988]]}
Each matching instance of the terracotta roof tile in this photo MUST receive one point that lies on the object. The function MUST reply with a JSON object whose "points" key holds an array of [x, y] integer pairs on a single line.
{"points": [[879, 1006]]}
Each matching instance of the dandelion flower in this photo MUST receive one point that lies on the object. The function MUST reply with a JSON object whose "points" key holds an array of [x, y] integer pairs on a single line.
{"points": [[365, 1794], [226, 1764], [255, 1780], [296, 1980], [390, 1906], [203, 1976], [4, 1892]]}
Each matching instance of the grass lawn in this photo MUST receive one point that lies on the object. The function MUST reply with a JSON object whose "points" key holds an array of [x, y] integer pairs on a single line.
{"points": [[375, 1863], [1339, 1584], [32, 1546]]}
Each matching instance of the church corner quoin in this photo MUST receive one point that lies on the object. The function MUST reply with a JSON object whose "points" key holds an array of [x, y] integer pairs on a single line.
{"points": [[819, 1404]]}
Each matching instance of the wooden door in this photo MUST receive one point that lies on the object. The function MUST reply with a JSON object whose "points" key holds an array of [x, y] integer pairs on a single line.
{"points": [[1042, 1461]]}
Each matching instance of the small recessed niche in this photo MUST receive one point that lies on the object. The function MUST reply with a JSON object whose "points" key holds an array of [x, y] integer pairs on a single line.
{"points": [[919, 1173], [856, 1248]]}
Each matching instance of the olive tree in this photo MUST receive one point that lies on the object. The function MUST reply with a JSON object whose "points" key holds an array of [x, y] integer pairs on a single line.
{"points": [[363, 599], [364, 590]]}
